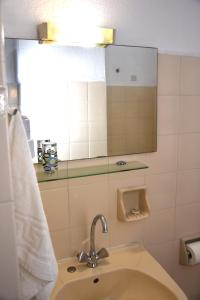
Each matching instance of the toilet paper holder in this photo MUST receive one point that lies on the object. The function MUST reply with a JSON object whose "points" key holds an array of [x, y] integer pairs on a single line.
{"points": [[185, 255]]}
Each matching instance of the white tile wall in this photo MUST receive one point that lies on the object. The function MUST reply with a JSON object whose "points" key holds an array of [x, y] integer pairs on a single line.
{"points": [[168, 114], [79, 150], [85, 202], [97, 131], [189, 149], [165, 159], [159, 227], [98, 149], [86, 115], [57, 212], [161, 191], [172, 182], [187, 220], [189, 114], [79, 132], [165, 254], [78, 91], [169, 75], [63, 151], [190, 76], [188, 187], [96, 101]]}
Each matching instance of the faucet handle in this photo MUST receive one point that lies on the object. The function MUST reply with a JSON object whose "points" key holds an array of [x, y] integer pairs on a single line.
{"points": [[83, 257], [102, 253]]}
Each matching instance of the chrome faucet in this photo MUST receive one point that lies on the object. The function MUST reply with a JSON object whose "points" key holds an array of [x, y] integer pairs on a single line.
{"points": [[92, 258]]}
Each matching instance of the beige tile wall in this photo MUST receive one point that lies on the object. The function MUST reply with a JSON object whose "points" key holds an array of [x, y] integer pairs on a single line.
{"points": [[172, 182]]}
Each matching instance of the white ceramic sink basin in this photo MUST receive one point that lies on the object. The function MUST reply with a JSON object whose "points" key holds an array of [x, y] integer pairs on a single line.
{"points": [[121, 284], [128, 274]]}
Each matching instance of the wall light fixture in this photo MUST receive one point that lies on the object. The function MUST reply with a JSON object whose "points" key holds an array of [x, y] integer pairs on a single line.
{"points": [[50, 33]]}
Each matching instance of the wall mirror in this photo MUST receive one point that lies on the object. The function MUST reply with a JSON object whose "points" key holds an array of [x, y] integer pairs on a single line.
{"points": [[93, 102]]}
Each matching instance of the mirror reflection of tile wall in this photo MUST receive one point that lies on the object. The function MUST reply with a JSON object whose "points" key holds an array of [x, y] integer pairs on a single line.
{"points": [[92, 102], [131, 119], [131, 76], [63, 93], [87, 120]]}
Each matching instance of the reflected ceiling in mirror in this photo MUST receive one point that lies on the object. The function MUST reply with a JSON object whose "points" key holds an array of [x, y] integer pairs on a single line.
{"points": [[93, 102]]}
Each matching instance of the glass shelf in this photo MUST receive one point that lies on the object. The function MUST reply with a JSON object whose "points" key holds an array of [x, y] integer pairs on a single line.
{"points": [[63, 172]]}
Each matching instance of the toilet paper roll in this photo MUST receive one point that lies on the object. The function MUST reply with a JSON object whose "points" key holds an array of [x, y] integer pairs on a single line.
{"points": [[193, 252]]}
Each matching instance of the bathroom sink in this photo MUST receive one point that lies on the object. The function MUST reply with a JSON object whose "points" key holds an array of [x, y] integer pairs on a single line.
{"points": [[116, 285], [128, 274]]}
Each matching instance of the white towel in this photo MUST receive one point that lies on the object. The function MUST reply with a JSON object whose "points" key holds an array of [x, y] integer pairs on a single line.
{"points": [[37, 263]]}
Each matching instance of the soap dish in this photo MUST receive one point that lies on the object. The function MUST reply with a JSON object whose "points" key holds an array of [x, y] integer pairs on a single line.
{"points": [[132, 204]]}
